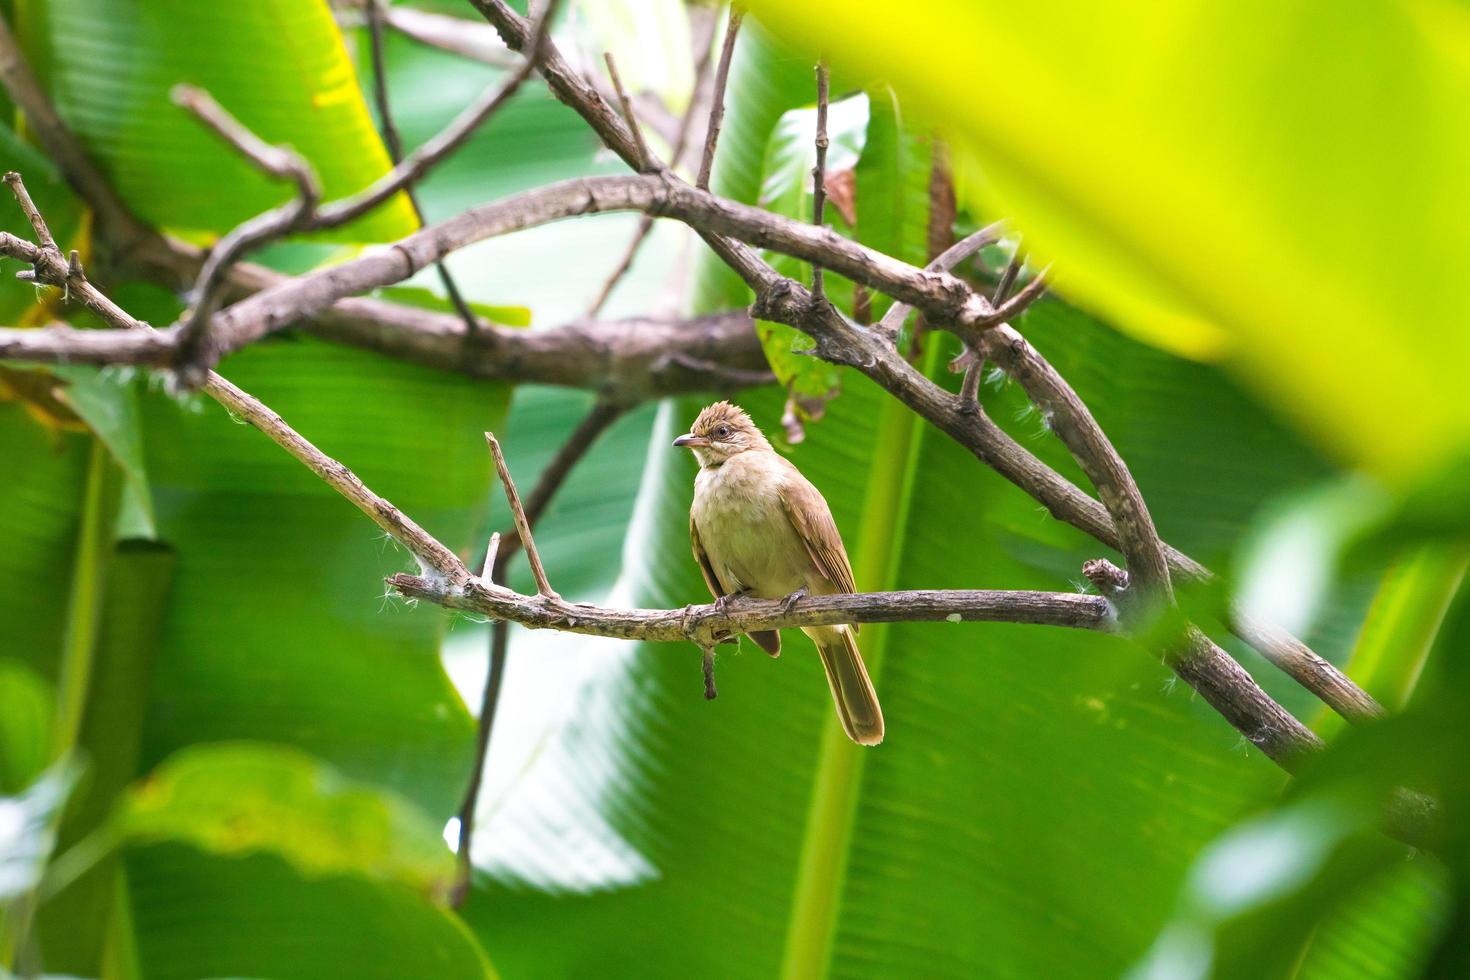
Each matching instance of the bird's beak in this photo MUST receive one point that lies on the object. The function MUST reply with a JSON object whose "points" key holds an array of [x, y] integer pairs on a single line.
{"points": [[691, 440]]}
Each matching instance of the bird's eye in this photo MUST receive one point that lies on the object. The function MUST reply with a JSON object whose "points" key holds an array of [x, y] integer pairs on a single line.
{"points": [[723, 432]]}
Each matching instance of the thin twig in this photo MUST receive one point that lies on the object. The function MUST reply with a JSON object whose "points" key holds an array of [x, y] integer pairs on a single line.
{"points": [[707, 662], [943, 262], [394, 143], [974, 361], [305, 212], [645, 223], [717, 99], [523, 525], [478, 41], [280, 162], [497, 559], [38, 223], [1029, 294], [645, 158], [491, 551], [819, 176], [417, 164]]}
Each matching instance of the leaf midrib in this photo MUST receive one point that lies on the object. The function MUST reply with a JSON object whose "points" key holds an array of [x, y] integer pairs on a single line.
{"points": [[827, 839]]}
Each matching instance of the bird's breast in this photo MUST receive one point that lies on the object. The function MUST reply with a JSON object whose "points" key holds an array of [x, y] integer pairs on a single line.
{"points": [[745, 530]]}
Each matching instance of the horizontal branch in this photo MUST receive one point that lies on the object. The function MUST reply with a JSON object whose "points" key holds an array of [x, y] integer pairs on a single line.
{"points": [[625, 361], [706, 624]]}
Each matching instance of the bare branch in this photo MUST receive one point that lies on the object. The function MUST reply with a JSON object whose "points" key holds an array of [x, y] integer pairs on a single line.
{"points": [[313, 294], [38, 223], [819, 176], [943, 262], [1215, 675], [645, 158], [944, 298], [706, 625], [627, 361], [1070, 419], [717, 101], [523, 524]]}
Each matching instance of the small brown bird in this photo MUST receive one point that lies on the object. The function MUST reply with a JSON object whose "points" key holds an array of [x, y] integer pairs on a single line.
{"points": [[759, 528]]}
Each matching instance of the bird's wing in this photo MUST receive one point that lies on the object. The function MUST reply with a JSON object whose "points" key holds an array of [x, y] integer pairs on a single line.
{"points": [[710, 578], [814, 525]]}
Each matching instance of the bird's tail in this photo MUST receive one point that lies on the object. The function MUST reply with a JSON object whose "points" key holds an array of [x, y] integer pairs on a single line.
{"points": [[852, 691]]}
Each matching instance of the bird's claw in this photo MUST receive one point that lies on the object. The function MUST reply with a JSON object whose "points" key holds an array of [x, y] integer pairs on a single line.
{"points": [[722, 604], [789, 603]]}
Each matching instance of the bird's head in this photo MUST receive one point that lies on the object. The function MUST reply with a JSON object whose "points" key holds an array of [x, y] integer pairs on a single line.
{"points": [[721, 431]]}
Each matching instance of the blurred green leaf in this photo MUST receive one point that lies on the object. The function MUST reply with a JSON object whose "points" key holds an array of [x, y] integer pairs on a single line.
{"points": [[1255, 896], [26, 708], [42, 503], [107, 401], [279, 66], [1403, 623], [246, 798], [1225, 200], [203, 916], [80, 928]]}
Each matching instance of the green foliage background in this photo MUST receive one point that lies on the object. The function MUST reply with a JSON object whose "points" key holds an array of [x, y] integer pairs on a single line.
{"points": [[245, 751]]}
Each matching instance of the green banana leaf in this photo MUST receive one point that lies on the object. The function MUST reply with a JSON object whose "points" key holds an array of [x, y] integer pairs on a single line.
{"points": [[279, 66]]}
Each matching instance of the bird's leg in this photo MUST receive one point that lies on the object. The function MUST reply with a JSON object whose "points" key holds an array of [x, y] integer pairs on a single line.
{"points": [[788, 603]]}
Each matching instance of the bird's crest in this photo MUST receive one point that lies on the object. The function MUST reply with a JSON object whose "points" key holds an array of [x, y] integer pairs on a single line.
{"points": [[722, 413]]}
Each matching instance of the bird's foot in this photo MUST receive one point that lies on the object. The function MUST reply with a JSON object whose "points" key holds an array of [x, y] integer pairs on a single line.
{"points": [[722, 604], [789, 603]]}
